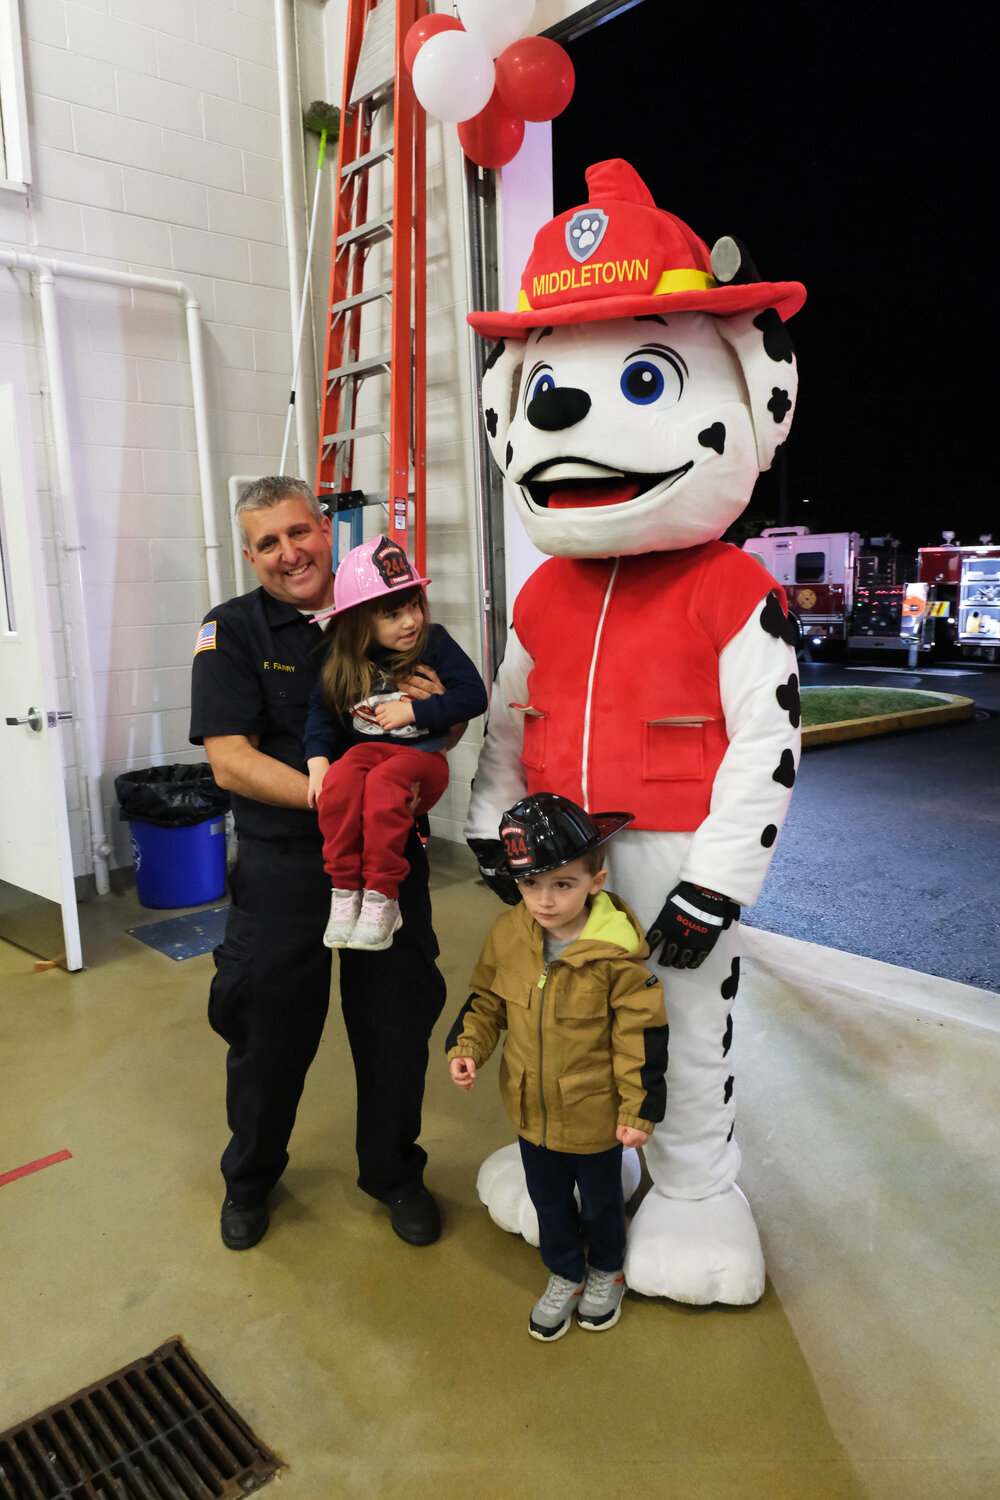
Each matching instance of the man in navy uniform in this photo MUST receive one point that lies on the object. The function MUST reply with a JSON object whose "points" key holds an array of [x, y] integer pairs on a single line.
{"points": [[256, 660]]}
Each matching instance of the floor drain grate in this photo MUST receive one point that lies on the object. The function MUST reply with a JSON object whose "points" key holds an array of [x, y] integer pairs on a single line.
{"points": [[156, 1430]]}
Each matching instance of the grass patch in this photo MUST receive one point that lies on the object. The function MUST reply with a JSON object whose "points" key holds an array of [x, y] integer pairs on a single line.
{"points": [[831, 705]]}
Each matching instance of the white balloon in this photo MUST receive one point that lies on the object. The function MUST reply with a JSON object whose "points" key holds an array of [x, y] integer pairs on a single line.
{"points": [[495, 23], [453, 76]]}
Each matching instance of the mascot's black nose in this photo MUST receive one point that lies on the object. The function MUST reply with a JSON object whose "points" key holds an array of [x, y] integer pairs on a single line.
{"points": [[559, 407]]}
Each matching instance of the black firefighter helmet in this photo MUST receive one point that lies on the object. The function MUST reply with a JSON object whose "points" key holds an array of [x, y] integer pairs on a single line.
{"points": [[544, 831]]}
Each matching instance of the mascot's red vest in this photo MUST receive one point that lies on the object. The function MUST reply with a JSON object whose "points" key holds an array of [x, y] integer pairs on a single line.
{"points": [[636, 640]]}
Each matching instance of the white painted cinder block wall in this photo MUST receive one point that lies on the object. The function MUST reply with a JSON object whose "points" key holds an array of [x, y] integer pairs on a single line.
{"points": [[155, 146], [154, 136]]}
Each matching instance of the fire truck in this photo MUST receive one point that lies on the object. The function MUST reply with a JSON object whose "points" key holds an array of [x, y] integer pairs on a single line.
{"points": [[850, 593]]}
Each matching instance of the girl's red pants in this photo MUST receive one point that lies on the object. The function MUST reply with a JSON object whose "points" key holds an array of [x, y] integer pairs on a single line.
{"points": [[364, 814]]}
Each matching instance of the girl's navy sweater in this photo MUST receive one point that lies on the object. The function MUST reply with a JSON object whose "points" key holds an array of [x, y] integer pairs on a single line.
{"points": [[464, 697]]}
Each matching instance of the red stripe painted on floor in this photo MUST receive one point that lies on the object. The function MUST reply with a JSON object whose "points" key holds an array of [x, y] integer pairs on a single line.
{"points": [[34, 1166]]}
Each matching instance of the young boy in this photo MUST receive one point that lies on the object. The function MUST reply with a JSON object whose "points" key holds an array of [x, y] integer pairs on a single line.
{"points": [[582, 1069]]}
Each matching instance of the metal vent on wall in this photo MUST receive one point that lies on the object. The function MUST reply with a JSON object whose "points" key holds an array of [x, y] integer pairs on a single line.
{"points": [[155, 1430]]}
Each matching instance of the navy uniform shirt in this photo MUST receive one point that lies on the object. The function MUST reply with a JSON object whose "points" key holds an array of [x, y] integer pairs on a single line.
{"points": [[255, 664]]}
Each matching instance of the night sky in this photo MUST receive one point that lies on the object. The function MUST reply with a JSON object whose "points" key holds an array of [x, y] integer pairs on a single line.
{"points": [[858, 159]]}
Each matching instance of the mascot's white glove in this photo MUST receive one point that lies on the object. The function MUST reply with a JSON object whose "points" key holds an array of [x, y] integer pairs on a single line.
{"points": [[689, 925]]}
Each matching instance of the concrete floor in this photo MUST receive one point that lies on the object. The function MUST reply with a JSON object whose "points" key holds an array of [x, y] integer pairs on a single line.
{"points": [[870, 1137]]}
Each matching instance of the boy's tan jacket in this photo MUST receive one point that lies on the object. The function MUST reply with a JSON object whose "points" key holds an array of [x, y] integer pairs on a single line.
{"points": [[586, 1041]]}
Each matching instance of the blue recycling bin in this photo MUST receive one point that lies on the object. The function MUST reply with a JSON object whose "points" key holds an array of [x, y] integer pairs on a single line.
{"points": [[179, 866], [176, 817]]}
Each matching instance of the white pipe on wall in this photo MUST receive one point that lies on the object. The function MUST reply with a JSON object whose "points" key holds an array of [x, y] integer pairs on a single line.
{"points": [[290, 119], [67, 517]]}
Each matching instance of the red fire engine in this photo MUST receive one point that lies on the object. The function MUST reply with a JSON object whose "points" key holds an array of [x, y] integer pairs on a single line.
{"points": [[850, 594]]}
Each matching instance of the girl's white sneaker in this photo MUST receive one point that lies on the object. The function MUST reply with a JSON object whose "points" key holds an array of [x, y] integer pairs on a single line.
{"points": [[377, 923], [345, 907]]}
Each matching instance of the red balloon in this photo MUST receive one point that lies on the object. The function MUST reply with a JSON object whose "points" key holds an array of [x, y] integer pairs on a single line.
{"points": [[419, 32], [535, 78], [493, 137]]}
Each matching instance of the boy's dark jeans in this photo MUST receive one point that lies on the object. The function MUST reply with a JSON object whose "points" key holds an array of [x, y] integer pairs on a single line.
{"points": [[565, 1231]]}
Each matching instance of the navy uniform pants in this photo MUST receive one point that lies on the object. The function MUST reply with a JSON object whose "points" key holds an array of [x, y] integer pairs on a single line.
{"points": [[269, 1000]]}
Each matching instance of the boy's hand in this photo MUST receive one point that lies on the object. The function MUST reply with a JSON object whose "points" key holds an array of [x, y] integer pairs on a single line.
{"points": [[318, 767], [630, 1137], [395, 714], [463, 1072]]}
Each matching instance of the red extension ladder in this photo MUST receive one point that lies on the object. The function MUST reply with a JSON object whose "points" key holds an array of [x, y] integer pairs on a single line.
{"points": [[375, 77]]}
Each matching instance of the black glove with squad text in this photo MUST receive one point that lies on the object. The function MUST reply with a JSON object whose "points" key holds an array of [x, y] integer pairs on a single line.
{"points": [[493, 868], [689, 925]]}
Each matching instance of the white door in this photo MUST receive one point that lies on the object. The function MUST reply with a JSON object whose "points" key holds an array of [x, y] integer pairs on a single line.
{"points": [[37, 895]]}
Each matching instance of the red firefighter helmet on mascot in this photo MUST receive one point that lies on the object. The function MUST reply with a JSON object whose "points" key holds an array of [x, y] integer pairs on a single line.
{"points": [[643, 382]]}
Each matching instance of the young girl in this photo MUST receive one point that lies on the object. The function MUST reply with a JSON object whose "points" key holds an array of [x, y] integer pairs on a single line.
{"points": [[385, 748]]}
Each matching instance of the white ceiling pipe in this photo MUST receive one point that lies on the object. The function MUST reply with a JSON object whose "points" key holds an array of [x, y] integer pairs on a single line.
{"points": [[293, 200], [67, 520]]}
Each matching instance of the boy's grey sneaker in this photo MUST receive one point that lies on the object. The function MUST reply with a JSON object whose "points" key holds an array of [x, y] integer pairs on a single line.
{"points": [[345, 907], [601, 1304], [553, 1312], [377, 921]]}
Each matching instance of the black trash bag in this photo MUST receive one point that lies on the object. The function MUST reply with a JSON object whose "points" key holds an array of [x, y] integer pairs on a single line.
{"points": [[170, 796]]}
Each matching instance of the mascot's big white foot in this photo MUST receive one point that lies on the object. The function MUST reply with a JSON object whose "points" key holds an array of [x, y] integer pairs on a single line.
{"points": [[698, 1250], [501, 1187]]}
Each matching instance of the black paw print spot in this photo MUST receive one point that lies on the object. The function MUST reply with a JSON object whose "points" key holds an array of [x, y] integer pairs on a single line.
{"points": [[491, 421], [727, 1040], [774, 620], [788, 699], [543, 333], [779, 405], [495, 353], [728, 991], [728, 1091], [777, 344], [769, 835], [784, 773], [509, 457], [731, 1129], [713, 437]]}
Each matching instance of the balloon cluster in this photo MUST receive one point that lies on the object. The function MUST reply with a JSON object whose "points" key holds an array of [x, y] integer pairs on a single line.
{"points": [[478, 70]]}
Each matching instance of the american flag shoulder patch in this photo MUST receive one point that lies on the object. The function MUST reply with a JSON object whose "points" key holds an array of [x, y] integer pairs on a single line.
{"points": [[206, 638]]}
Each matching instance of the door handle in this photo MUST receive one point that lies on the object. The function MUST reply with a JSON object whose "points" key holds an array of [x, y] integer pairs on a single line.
{"points": [[34, 718]]}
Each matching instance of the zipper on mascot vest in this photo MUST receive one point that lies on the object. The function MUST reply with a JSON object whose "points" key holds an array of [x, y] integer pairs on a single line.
{"points": [[590, 685]]}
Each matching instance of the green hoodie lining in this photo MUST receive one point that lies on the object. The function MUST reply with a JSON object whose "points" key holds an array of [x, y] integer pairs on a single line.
{"points": [[606, 924]]}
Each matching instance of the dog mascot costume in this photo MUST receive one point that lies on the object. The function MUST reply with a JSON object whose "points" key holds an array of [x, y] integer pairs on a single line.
{"points": [[631, 401]]}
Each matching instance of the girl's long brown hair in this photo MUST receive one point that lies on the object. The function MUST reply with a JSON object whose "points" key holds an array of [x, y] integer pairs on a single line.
{"points": [[348, 670]]}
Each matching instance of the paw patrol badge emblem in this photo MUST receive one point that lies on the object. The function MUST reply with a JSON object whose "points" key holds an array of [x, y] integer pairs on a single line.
{"points": [[584, 232]]}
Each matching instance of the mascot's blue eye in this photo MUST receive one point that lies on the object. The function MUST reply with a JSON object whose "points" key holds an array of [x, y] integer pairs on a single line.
{"points": [[642, 382], [545, 382]]}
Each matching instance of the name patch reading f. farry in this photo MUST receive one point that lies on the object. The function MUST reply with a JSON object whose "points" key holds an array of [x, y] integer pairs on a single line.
{"points": [[277, 666]]}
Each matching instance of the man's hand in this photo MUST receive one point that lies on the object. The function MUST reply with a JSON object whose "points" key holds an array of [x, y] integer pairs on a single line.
{"points": [[394, 714], [425, 682], [689, 925], [492, 867], [463, 1072]]}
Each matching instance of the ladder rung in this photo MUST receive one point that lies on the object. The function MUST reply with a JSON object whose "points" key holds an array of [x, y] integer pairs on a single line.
{"points": [[362, 164], [350, 433], [361, 367], [372, 232], [372, 295]]}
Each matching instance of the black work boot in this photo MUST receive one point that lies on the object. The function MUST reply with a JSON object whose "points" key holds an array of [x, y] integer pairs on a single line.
{"points": [[243, 1224]]}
